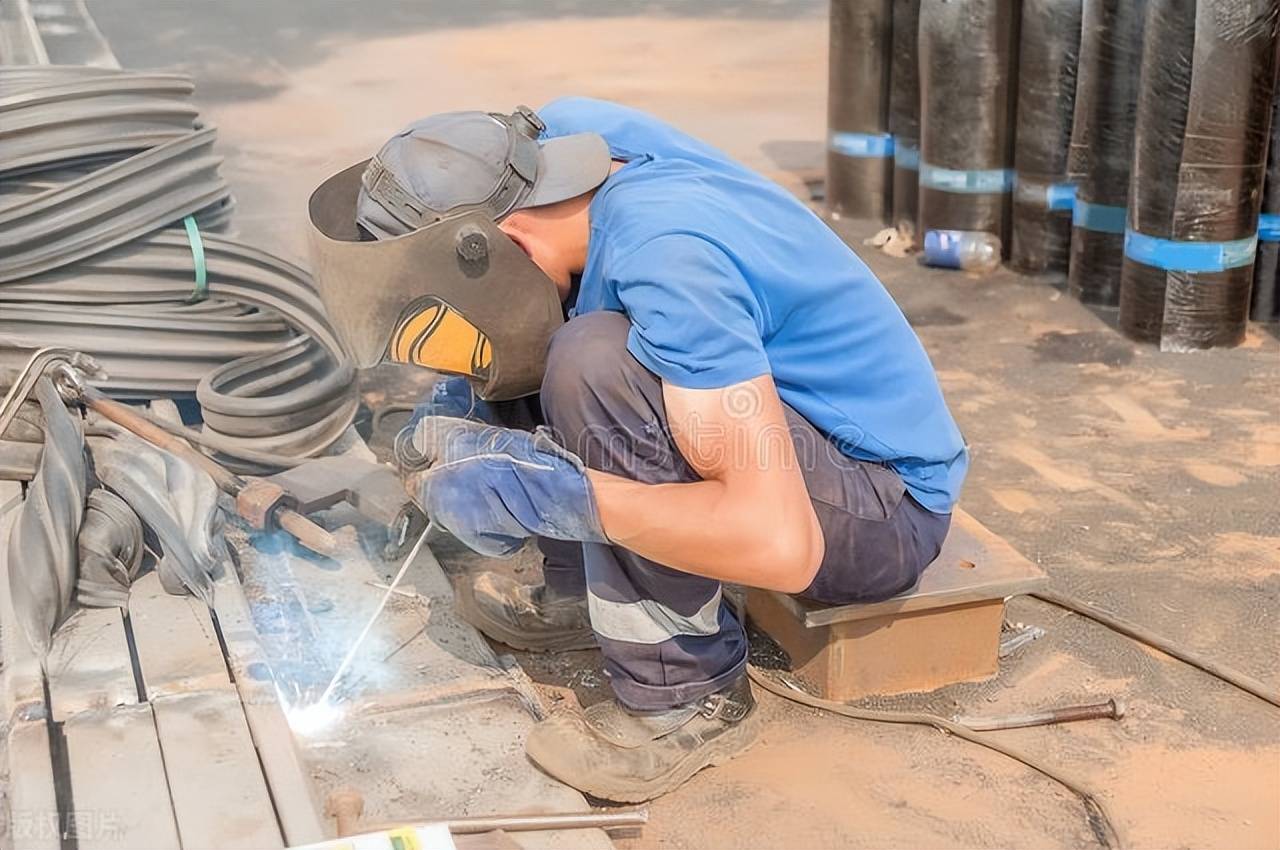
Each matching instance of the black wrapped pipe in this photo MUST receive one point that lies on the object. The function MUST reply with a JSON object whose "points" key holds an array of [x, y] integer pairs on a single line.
{"points": [[1042, 194], [904, 114], [859, 147], [1203, 125], [1266, 269], [967, 69], [1102, 145]]}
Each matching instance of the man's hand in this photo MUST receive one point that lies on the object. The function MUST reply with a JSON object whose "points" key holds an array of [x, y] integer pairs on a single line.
{"points": [[453, 395], [493, 488]]}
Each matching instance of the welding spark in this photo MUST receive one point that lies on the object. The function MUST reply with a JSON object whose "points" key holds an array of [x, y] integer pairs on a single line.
{"points": [[310, 720]]}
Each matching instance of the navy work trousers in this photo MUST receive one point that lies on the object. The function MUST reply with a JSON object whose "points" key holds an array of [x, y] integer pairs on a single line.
{"points": [[668, 637]]}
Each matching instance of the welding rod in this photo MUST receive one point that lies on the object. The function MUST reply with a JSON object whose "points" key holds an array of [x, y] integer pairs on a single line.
{"points": [[1112, 709], [526, 823], [304, 530]]}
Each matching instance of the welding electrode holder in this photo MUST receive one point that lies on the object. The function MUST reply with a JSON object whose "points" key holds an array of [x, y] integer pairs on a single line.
{"points": [[263, 504]]}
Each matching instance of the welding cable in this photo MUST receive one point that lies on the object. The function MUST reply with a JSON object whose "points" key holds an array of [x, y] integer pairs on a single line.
{"points": [[79, 118], [110, 206], [1246, 683], [1095, 812], [96, 166]]}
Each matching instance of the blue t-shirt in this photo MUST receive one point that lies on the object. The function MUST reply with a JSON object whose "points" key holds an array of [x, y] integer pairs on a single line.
{"points": [[725, 276]]}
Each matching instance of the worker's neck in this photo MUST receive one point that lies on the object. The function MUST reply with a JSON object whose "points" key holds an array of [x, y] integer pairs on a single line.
{"points": [[557, 236]]}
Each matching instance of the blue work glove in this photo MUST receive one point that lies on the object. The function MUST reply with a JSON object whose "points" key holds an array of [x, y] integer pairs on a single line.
{"points": [[493, 488], [453, 395]]}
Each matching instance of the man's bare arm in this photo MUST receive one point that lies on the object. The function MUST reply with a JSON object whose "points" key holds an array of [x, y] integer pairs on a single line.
{"points": [[749, 520]]}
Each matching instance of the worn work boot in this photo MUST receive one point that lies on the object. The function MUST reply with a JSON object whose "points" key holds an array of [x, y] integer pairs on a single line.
{"points": [[529, 617], [616, 754]]}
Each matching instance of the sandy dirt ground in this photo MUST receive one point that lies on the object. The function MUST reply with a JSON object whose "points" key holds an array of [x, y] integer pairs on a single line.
{"points": [[1143, 481]]}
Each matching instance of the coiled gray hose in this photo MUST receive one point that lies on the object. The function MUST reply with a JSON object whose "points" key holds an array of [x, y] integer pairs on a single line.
{"points": [[98, 169]]}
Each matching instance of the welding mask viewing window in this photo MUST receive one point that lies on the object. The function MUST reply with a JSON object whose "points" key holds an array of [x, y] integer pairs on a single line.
{"points": [[411, 265]]}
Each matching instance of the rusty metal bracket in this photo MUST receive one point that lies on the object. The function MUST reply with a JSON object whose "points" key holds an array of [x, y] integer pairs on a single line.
{"points": [[41, 361], [373, 490]]}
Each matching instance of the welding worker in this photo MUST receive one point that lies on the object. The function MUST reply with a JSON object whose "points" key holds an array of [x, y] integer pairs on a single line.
{"points": [[730, 395]]}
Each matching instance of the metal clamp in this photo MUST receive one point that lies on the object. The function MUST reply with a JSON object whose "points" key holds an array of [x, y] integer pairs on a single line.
{"points": [[73, 365]]}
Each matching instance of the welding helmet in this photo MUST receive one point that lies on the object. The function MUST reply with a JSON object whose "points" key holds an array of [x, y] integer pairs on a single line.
{"points": [[409, 260]]}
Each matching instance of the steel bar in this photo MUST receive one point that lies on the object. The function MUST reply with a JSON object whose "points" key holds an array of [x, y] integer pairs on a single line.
{"points": [[1112, 709], [1098, 818], [1244, 682], [527, 823]]}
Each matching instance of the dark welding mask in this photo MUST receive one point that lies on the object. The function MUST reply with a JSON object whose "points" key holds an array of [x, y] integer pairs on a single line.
{"points": [[411, 265]]}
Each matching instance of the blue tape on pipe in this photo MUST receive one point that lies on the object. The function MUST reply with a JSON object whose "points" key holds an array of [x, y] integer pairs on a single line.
{"points": [[1062, 196], [906, 157], [1055, 197], [1269, 227], [1101, 218], [991, 181], [862, 144], [1173, 255]]}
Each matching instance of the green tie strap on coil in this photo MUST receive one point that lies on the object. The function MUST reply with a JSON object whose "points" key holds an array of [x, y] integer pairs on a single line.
{"points": [[201, 291]]}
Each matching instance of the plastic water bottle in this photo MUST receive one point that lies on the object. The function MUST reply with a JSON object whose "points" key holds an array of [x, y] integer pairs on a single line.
{"points": [[968, 250]]}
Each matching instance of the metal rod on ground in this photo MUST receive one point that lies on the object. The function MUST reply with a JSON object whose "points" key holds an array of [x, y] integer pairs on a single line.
{"points": [[304, 530], [527, 823], [1096, 813], [346, 805], [1143, 635], [1112, 709], [530, 823]]}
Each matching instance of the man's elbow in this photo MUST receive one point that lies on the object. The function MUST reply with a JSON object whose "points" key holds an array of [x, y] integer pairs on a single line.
{"points": [[789, 559]]}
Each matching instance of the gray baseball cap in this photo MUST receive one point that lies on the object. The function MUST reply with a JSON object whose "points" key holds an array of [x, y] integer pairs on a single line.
{"points": [[459, 162]]}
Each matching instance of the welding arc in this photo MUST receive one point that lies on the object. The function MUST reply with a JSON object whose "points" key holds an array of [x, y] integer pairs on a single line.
{"points": [[1248, 684], [373, 618], [1096, 813]]}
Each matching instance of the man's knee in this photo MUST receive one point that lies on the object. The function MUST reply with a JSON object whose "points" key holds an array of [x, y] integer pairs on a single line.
{"points": [[586, 364], [585, 348], [603, 405]]}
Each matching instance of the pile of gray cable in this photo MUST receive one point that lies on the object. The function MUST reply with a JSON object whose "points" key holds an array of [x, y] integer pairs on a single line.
{"points": [[110, 201]]}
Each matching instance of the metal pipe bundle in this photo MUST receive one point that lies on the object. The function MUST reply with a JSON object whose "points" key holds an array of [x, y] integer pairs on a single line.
{"points": [[99, 166], [1042, 194], [1203, 127], [904, 114], [859, 147], [1102, 145], [968, 57]]}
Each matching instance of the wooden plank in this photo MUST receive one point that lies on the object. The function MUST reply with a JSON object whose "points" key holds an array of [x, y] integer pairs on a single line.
{"points": [[286, 773], [33, 802], [220, 798], [975, 565], [177, 646], [89, 665], [118, 781]]}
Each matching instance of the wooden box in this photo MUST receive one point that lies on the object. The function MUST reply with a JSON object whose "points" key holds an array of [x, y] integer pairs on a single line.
{"points": [[946, 629]]}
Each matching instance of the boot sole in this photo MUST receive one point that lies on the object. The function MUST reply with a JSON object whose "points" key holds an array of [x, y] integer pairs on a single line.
{"points": [[494, 630], [722, 750]]}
